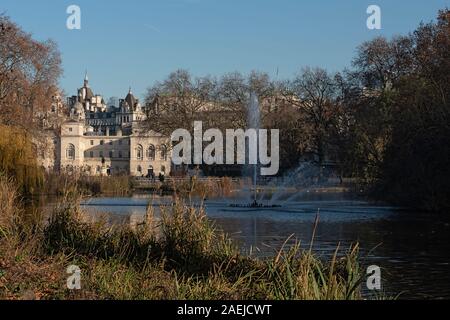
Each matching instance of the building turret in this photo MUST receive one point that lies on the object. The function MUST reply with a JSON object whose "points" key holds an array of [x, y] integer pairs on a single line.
{"points": [[86, 80], [131, 100]]}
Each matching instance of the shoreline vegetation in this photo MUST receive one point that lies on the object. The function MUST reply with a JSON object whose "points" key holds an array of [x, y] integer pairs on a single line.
{"points": [[182, 256], [206, 187], [122, 186]]}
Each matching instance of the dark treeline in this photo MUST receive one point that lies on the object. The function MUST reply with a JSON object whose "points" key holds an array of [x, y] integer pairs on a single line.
{"points": [[384, 121]]}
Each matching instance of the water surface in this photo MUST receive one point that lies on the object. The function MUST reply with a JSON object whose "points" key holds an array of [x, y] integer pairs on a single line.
{"points": [[412, 249]]}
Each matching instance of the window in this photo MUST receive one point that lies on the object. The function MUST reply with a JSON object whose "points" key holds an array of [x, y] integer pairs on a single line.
{"points": [[91, 154], [110, 143], [120, 154], [163, 169], [139, 152], [70, 152], [111, 154], [92, 142], [70, 129], [151, 152], [120, 142], [164, 153], [101, 154], [139, 169], [102, 142]]}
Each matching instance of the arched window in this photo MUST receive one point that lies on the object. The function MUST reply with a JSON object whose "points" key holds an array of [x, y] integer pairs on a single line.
{"points": [[151, 152], [70, 152], [164, 153], [139, 169], [139, 152], [150, 172]]}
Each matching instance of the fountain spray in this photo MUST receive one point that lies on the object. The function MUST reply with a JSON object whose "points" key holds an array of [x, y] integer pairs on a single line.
{"points": [[254, 122]]}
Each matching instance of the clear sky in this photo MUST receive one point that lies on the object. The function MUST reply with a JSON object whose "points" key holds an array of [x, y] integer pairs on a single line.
{"points": [[137, 42]]}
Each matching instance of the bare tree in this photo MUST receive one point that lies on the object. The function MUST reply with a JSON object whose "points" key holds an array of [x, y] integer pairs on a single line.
{"points": [[314, 93], [29, 71], [380, 63], [178, 102], [233, 95]]}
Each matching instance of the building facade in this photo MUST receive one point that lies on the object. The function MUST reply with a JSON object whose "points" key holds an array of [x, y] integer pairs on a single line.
{"points": [[101, 139]]}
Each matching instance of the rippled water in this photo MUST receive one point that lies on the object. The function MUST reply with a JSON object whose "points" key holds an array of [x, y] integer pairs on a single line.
{"points": [[412, 249]]}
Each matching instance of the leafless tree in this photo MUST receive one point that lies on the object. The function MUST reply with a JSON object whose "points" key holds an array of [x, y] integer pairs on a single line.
{"points": [[314, 93], [29, 71], [178, 101]]}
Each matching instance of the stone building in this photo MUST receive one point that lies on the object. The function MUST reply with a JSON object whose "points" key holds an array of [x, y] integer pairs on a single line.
{"points": [[46, 139], [101, 139]]}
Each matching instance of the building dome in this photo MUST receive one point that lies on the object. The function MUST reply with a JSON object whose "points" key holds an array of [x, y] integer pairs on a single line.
{"points": [[131, 100], [89, 93]]}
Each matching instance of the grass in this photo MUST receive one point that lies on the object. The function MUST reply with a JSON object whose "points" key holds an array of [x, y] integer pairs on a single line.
{"points": [[206, 188], [58, 184], [181, 256]]}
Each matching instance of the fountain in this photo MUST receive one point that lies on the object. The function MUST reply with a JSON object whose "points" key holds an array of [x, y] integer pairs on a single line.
{"points": [[304, 177], [251, 170], [255, 204]]}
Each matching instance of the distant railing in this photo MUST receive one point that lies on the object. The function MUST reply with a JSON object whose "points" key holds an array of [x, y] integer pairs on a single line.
{"points": [[184, 179]]}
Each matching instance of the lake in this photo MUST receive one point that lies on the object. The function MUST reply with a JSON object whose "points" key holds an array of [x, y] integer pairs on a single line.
{"points": [[412, 249]]}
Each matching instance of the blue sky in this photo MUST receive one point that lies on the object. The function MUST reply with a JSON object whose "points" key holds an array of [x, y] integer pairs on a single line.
{"points": [[136, 42]]}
